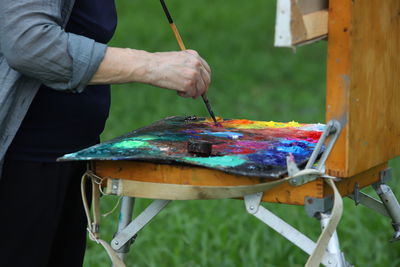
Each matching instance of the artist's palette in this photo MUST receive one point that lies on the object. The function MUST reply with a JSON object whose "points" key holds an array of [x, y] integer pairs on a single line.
{"points": [[252, 148]]}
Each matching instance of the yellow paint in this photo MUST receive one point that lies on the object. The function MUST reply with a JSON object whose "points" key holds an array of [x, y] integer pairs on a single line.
{"points": [[210, 120], [248, 124]]}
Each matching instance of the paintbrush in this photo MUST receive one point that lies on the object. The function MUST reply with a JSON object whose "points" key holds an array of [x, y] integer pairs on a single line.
{"points": [[182, 47]]}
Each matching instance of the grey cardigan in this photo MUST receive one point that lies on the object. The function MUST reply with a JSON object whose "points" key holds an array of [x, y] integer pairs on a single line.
{"points": [[35, 50]]}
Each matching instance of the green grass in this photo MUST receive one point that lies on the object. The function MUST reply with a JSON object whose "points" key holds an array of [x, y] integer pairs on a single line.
{"points": [[251, 79]]}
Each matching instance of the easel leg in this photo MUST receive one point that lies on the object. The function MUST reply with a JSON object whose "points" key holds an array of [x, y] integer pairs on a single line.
{"points": [[125, 217], [127, 233], [253, 207], [388, 207], [392, 206], [320, 208], [333, 247]]}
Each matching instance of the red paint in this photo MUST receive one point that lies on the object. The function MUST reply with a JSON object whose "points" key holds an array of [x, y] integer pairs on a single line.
{"points": [[233, 147], [260, 134], [241, 121], [243, 150]]}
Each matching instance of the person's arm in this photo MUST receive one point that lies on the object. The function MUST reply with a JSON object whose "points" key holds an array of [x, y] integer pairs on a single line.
{"points": [[184, 71], [34, 44]]}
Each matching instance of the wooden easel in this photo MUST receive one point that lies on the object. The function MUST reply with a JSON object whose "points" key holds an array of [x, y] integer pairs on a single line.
{"points": [[362, 94]]}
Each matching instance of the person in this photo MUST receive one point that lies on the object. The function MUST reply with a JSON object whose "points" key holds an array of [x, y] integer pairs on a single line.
{"points": [[55, 71]]}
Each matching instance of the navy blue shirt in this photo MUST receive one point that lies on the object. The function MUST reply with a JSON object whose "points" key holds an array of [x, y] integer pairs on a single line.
{"points": [[60, 122]]}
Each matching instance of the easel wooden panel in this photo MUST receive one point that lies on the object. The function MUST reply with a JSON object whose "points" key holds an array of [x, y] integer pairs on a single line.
{"points": [[363, 83], [189, 175]]}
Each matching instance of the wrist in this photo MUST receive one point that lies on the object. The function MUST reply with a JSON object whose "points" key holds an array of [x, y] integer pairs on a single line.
{"points": [[139, 65]]}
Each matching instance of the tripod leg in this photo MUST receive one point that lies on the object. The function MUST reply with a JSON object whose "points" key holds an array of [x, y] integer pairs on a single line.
{"points": [[392, 206], [125, 218], [333, 247]]}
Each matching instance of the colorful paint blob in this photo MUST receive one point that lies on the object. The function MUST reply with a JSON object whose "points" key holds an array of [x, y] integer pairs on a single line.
{"points": [[239, 146], [126, 144], [224, 161]]}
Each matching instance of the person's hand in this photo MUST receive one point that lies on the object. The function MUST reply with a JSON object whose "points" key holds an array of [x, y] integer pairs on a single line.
{"points": [[184, 71]]}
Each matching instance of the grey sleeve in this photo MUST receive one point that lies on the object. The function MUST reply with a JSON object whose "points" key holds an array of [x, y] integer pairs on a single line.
{"points": [[34, 43]]}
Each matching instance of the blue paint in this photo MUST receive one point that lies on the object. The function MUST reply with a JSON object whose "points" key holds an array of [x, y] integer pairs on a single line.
{"points": [[269, 158], [189, 131], [277, 152], [227, 134], [292, 141], [293, 150]]}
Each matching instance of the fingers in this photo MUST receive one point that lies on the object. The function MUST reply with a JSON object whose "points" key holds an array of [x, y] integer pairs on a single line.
{"points": [[201, 88], [202, 61], [181, 94], [189, 85], [196, 87], [206, 79], [197, 76], [184, 71], [205, 72], [205, 65]]}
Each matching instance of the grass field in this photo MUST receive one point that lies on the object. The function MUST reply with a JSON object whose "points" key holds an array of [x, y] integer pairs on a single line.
{"points": [[251, 79]]}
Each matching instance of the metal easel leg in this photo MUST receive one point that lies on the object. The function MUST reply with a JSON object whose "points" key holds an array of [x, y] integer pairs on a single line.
{"points": [[388, 206], [129, 231], [125, 217], [320, 208], [254, 208], [333, 247], [390, 202]]}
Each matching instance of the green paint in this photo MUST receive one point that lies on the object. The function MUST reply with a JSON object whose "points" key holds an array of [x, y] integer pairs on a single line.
{"points": [[71, 155], [224, 161], [131, 144], [174, 138]]}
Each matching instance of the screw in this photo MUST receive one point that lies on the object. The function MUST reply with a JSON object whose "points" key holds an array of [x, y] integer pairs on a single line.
{"points": [[116, 243], [251, 208]]}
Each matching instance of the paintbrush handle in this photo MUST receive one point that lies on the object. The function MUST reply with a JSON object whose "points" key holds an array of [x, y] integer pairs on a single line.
{"points": [[208, 105], [177, 36], [182, 47]]}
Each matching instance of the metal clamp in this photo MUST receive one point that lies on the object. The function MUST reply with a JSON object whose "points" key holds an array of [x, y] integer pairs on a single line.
{"points": [[315, 206], [385, 175], [252, 202], [332, 131], [356, 194]]}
